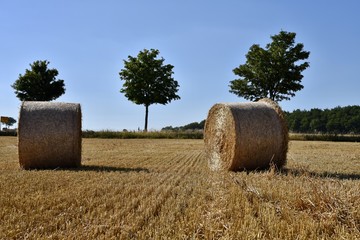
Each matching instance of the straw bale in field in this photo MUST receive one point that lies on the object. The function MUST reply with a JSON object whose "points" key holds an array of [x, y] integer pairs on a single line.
{"points": [[246, 136], [49, 135]]}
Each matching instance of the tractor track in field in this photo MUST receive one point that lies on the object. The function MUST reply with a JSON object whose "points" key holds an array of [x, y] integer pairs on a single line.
{"points": [[161, 191]]}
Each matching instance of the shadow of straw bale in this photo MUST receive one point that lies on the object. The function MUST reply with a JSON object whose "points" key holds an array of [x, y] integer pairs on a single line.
{"points": [[304, 172], [111, 169], [96, 168]]}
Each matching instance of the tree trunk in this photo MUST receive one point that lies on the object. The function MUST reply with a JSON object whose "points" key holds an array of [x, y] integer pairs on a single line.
{"points": [[272, 95], [146, 117]]}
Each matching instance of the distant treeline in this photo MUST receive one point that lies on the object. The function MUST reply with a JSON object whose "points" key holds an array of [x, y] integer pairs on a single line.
{"points": [[148, 135], [8, 133], [329, 123], [339, 120], [194, 126]]}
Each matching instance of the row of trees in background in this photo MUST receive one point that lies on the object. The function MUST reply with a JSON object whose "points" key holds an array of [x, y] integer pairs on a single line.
{"points": [[194, 126], [147, 81], [339, 120], [273, 72]]}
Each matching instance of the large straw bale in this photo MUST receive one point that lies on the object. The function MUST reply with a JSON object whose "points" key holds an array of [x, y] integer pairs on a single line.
{"points": [[246, 136], [49, 135]]}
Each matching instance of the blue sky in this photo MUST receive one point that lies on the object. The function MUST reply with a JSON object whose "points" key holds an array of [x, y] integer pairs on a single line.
{"points": [[87, 41]]}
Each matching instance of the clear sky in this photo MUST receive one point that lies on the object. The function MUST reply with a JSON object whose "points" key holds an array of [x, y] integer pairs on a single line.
{"points": [[87, 41]]}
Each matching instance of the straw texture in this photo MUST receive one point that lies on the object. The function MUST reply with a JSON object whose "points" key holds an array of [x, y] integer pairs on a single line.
{"points": [[49, 135], [246, 136]]}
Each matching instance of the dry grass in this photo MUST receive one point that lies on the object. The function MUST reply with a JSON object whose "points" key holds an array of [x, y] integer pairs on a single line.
{"points": [[163, 189]]}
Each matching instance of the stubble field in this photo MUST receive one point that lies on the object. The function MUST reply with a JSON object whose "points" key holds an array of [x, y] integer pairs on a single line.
{"points": [[163, 189]]}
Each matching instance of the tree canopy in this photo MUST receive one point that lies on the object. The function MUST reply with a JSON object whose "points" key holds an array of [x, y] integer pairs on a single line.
{"points": [[8, 121], [148, 80], [39, 83], [272, 72], [339, 120], [191, 126]]}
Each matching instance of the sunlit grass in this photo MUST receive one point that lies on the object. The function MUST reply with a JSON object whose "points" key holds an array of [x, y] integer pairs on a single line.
{"points": [[163, 189]]}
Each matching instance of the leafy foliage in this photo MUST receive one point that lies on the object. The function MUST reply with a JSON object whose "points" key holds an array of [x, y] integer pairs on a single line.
{"points": [[143, 135], [148, 81], [339, 120], [271, 72], [39, 83], [191, 126], [11, 122]]}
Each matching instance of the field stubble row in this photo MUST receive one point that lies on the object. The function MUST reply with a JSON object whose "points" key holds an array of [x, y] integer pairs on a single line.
{"points": [[163, 189]]}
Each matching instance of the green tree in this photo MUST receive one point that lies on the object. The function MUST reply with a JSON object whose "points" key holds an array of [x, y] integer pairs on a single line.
{"points": [[8, 121], [148, 81], [272, 72], [11, 122], [39, 83]]}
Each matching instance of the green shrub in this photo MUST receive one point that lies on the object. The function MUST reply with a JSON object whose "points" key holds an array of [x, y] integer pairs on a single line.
{"points": [[325, 137], [151, 135], [8, 133]]}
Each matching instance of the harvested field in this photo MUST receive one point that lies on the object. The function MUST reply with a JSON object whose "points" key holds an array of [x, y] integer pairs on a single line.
{"points": [[163, 189]]}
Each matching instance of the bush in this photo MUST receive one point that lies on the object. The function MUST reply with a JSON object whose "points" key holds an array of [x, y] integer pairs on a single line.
{"points": [[325, 137], [151, 135], [8, 133]]}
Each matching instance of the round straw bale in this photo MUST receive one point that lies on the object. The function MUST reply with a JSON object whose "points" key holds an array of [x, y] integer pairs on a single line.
{"points": [[49, 135], [246, 136]]}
